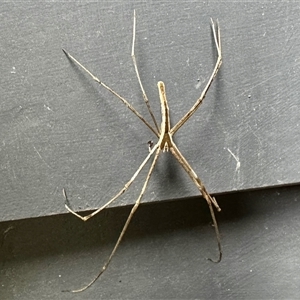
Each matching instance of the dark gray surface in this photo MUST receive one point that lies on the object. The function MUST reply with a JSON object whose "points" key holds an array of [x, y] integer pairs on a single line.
{"points": [[59, 129], [163, 253]]}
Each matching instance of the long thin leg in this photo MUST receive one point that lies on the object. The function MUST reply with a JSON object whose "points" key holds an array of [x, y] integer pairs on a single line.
{"points": [[123, 190], [133, 210], [113, 92], [209, 199], [138, 74], [217, 38]]}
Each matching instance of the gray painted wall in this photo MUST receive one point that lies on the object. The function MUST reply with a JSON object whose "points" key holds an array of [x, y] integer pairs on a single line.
{"points": [[59, 129], [163, 255]]}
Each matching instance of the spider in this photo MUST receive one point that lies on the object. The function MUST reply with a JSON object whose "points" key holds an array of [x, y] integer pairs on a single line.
{"points": [[165, 143]]}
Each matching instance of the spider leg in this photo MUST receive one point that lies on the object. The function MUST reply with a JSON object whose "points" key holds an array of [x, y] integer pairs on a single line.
{"points": [[138, 74], [111, 91], [209, 199], [217, 39], [123, 190], [133, 210]]}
